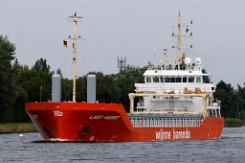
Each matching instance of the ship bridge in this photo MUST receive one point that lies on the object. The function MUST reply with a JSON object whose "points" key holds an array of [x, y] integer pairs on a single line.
{"points": [[164, 81]]}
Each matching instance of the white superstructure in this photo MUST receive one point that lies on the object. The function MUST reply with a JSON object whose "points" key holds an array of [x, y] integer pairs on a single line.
{"points": [[176, 88], [173, 81]]}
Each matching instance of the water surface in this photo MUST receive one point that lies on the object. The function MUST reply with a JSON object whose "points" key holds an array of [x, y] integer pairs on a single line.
{"points": [[27, 148]]}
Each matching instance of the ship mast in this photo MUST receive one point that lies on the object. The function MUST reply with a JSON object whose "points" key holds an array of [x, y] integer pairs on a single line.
{"points": [[75, 19], [179, 41], [187, 33]]}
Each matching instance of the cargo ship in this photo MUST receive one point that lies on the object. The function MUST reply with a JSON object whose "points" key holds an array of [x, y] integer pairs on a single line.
{"points": [[175, 102]]}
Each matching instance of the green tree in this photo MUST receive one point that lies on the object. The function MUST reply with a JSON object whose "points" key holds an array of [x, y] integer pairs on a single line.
{"points": [[21, 97], [66, 87], [106, 88], [126, 79], [81, 89], [36, 81], [7, 93], [241, 98], [229, 99], [41, 65]]}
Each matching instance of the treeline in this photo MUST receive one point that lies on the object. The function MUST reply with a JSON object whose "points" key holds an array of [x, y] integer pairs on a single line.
{"points": [[232, 100], [20, 84]]}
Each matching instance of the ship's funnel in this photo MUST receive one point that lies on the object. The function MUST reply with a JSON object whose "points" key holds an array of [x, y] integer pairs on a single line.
{"points": [[56, 88], [91, 88]]}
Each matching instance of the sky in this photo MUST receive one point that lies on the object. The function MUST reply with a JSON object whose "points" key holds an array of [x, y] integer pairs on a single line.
{"points": [[135, 29]]}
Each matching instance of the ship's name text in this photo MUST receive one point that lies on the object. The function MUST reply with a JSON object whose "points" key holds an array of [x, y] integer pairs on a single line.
{"points": [[181, 134], [104, 117], [173, 135], [163, 135]]}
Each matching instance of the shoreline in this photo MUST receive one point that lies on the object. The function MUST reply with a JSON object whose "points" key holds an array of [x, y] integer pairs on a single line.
{"points": [[18, 127], [233, 122]]}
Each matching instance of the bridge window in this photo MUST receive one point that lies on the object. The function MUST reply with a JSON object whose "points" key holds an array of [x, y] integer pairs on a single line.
{"points": [[198, 79], [148, 79], [161, 79], [184, 79], [178, 79], [172, 79], [191, 79], [155, 79], [205, 79]]}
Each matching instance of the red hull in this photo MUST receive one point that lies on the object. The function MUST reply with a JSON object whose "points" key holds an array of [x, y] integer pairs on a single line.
{"points": [[100, 122]]}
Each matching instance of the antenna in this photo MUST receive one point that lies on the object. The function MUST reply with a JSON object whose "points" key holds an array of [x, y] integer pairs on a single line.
{"points": [[121, 63], [165, 58], [75, 19], [154, 48], [187, 33], [191, 34]]}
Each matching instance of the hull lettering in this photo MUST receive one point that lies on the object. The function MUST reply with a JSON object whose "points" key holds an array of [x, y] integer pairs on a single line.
{"points": [[103, 117]]}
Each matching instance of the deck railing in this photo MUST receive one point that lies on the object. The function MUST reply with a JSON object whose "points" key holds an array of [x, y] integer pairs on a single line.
{"points": [[166, 122]]}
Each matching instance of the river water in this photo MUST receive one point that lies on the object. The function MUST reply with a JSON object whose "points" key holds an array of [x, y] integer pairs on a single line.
{"points": [[29, 148]]}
